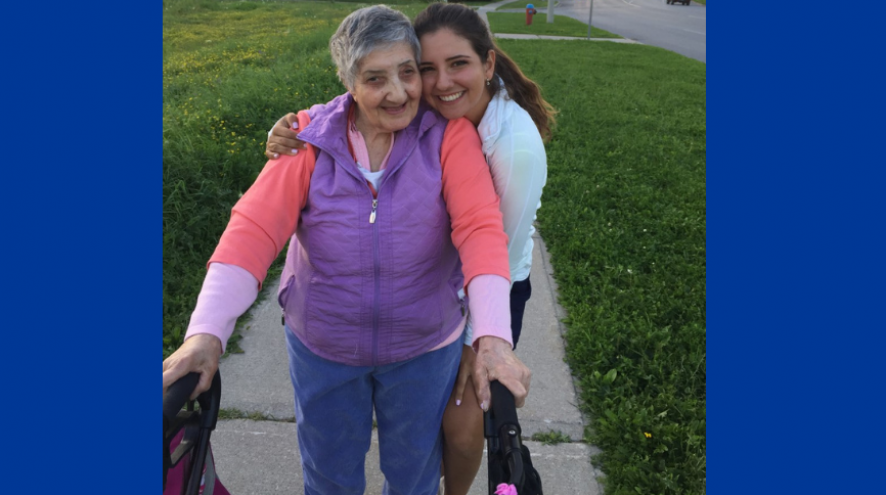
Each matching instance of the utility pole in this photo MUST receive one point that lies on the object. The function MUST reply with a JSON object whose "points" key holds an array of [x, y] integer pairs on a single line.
{"points": [[550, 11], [590, 16]]}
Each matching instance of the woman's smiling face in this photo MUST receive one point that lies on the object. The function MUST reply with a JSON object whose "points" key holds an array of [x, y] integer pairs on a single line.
{"points": [[453, 76]]}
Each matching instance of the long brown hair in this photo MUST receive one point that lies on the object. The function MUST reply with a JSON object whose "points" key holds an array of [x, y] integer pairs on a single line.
{"points": [[466, 23]]}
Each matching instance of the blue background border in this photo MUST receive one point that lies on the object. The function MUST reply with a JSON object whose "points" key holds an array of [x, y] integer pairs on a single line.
{"points": [[795, 270], [83, 246], [795, 265]]}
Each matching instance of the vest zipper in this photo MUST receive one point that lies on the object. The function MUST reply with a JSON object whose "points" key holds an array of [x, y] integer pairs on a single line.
{"points": [[377, 274], [376, 309]]}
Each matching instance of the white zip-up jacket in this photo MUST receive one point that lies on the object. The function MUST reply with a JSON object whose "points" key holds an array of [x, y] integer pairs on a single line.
{"points": [[516, 156]]}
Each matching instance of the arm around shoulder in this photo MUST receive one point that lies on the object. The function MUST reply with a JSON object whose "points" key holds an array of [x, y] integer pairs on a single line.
{"points": [[473, 206]]}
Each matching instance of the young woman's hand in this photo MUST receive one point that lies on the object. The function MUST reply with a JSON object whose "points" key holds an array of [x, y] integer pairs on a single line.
{"points": [[496, 361], [283, 138], [199, 354]]}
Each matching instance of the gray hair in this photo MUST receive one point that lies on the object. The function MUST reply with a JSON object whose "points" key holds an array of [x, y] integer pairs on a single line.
{"points": [[365, 30]]}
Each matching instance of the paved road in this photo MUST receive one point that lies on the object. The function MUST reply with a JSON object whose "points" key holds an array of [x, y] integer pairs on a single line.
{"points": [[679, 28]]}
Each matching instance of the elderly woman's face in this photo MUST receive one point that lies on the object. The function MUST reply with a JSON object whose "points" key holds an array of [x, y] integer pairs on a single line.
{"points": [[387, 88]]}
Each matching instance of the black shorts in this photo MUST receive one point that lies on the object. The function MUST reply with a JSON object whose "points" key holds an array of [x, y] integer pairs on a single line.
{"points": [[520, 293]]}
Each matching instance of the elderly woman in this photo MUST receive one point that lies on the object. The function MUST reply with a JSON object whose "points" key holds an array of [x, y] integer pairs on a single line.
{"points": [[390, 211]]}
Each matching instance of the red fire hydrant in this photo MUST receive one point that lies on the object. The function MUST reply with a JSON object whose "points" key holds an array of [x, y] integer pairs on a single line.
{"points": [[530, 11]]}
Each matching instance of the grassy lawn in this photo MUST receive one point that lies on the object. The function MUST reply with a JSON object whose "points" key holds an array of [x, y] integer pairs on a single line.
{"points": [[623, 216], [624, 219], [520, 4], [515, 23], [474, 3]]}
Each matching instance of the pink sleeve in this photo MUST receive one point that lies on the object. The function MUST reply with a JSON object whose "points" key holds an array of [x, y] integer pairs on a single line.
{"points": [[267, 214], [490, 308], [227, 293], [477, 230]]}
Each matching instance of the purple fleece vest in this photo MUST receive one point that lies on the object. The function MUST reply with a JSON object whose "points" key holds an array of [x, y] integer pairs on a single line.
{"points": [[367, 294]]}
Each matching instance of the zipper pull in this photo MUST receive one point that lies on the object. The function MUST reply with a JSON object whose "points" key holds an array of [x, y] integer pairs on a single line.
{"points": [[374, 208]]}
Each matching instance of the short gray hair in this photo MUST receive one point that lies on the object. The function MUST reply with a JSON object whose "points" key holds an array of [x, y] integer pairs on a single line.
{"points": [[365, 30]]}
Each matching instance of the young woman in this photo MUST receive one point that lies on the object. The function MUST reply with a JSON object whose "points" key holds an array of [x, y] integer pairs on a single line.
{"points": [[465, 74]]}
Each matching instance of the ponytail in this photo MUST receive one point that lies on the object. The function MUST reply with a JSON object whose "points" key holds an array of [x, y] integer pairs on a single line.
{"points": [[524, 91]]}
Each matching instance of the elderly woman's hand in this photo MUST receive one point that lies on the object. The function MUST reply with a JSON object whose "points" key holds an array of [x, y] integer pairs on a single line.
{"points": [[497, 361], [199, 354], [283, 138]]}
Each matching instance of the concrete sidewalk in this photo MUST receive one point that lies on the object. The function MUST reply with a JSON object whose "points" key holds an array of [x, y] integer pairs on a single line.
{"points": [[545, 37], [261, 456]]}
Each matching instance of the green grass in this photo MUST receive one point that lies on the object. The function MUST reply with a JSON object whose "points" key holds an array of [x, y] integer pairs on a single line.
{"points": [[623, 215], [471, 3], [515, 23], [551, 437], [624, 219], [520, 4]]}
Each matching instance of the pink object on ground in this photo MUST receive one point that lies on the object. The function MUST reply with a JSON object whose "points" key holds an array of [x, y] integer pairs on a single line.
{"points": [[505, 489]]}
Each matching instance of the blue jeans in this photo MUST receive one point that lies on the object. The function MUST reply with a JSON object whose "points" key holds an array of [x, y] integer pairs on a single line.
{"points": [[333, 411]]}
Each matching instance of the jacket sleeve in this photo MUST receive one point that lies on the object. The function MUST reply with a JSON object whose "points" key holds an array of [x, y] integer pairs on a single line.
{"points": [[268, 213], [228, 291], [473, 206], [477, 230], [261, 222]]}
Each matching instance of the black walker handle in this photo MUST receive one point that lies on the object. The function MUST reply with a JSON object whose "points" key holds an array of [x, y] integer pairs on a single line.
{"points": [[505, 424], [178, 393], [504, 407], [176, 396]]}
